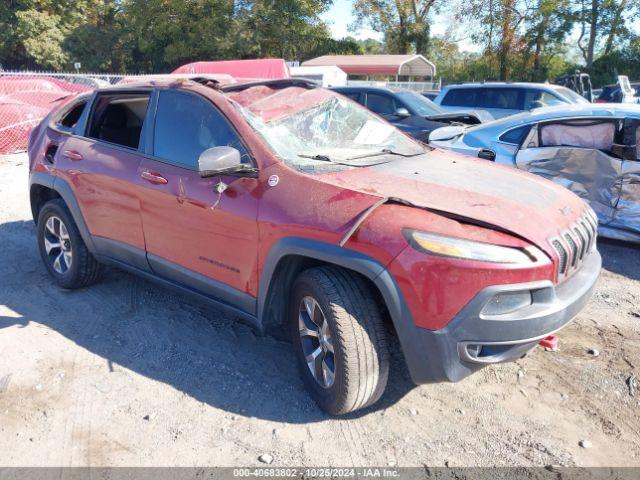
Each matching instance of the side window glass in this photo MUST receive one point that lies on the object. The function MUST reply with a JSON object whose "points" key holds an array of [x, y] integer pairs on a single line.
{"points": [[593, 134], [460, 97], [186, 125], [515, 136], [353, 96], [503, 98], [381, 104], [118, 119], [550, 100], [540, 98]]}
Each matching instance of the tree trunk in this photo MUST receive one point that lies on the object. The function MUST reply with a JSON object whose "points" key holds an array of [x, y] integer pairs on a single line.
{"points": [[593, 32], [506, 38], [540, 41], [614, 27]]}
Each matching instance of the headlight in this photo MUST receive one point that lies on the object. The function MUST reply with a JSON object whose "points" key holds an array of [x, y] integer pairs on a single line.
{"points": [[470, 250]]}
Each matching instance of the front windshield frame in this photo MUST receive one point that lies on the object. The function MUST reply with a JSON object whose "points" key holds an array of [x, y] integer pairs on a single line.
{"points": [[355, 145]]}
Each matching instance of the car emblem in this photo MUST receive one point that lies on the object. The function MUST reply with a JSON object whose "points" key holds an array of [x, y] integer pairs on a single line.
{"points": [[566, 211], [273, 180]]}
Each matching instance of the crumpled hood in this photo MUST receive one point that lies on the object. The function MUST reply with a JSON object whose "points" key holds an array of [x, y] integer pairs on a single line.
{"points": [[517, 202]]}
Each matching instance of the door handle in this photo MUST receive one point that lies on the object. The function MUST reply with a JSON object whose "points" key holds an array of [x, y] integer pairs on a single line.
{"points": [[72, 155], [154, 177]]}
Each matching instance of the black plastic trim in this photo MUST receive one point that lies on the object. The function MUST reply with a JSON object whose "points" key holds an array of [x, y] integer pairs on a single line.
{"points": [[64, 190], [231, 309], [112, 249], [203, 284], [407, 331]]}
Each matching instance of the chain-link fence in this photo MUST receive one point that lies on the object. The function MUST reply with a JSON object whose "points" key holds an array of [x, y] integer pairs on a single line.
{"points": [[27, 97]]}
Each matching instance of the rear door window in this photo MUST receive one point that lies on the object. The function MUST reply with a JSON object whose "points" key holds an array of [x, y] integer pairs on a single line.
{"points": [[501, 98], [118, 118], [460, 97], [381, 104], [186, 125]]}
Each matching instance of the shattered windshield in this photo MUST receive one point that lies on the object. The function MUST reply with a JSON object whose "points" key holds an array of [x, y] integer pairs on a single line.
{"points": [[326, 131]]}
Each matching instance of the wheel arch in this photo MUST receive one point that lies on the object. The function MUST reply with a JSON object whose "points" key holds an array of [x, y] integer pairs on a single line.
{"points": [[290, 256], [44, 187]]}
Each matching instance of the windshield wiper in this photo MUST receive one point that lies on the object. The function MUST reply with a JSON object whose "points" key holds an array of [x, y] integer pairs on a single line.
{"points": [[322, 158], [346, 162], [384, 151]]}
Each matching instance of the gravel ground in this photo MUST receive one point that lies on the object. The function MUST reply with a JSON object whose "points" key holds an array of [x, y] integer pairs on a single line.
{"points": [[126, 373]]}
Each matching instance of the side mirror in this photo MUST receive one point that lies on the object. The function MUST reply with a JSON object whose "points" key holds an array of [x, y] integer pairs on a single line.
{"points": [[486, 154], [223, 161], [402, 112]]}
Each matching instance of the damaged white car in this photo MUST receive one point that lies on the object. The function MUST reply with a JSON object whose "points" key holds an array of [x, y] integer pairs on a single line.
{"points": [[590, 149]]}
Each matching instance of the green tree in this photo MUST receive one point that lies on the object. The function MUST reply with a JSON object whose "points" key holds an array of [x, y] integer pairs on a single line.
{"points": [[39, 37], [603, 21], [371, 46], [404, 23], [285, 28]]}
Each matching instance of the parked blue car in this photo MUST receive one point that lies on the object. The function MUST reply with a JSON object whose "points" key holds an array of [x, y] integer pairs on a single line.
{"points": [[591, 149], [501, 99]]}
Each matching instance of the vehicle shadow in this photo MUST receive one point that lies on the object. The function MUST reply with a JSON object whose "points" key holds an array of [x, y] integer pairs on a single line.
{"points": [[136, 325], [620, 257]]}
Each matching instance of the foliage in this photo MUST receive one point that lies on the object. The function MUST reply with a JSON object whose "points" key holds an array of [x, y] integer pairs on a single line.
{"points": [[534, 40], [404, 23]]}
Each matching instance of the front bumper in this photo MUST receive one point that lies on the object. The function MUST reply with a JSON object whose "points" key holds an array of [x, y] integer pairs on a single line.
{"points": [[472, 340]]}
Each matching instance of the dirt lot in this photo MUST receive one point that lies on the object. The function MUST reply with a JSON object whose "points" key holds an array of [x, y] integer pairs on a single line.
{"points": [[127, 373]]}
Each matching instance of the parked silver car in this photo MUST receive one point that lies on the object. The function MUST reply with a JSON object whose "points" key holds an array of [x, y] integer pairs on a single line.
{"points": [[501, 99], [590, 149]]}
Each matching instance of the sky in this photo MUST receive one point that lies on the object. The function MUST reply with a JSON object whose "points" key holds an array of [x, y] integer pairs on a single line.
{"points": [[340, 16]]}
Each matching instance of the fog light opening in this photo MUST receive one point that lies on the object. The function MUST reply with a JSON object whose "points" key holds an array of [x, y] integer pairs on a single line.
{"points": [[508, 302]]}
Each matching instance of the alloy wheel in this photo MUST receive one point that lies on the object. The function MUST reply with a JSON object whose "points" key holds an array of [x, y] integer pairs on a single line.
{"points": [[57, 244], [317, 342]]}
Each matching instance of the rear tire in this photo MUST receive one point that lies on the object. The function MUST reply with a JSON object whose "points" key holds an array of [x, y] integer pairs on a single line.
{"points": [[347, 320], [64, 253]]}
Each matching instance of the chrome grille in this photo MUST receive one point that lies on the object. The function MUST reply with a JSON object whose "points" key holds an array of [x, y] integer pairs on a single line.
{"points": [[574, 243]]}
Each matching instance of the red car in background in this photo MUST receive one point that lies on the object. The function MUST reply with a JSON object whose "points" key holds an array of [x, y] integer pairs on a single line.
{"points": [[295, 208]]}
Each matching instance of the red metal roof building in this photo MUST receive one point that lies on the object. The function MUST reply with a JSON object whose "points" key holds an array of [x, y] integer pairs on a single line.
{"points": [[380, 65]]}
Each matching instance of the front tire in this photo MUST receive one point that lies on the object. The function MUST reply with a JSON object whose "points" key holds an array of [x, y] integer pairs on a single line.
{"points": [[64, 253], [339, 339]]}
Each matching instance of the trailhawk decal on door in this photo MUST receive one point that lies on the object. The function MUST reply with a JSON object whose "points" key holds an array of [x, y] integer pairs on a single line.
{"points": [[219, 264]]}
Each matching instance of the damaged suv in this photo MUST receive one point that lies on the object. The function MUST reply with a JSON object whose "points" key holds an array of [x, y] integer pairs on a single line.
{"points": [[297, 209]]}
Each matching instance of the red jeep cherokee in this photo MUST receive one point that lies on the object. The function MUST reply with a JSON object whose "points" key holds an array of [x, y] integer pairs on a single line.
{"points": [[294, 207]]}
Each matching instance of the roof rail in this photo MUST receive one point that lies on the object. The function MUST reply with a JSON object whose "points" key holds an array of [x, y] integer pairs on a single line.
{"points": [[278, 83]]}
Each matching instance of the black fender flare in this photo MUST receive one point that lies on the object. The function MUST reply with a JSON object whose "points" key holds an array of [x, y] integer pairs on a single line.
{"points": [[367, 266], [63, 189]]}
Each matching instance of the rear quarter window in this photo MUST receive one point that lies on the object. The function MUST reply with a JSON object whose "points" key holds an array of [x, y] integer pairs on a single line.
{"points": [[69, 117], [515, 136]]}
